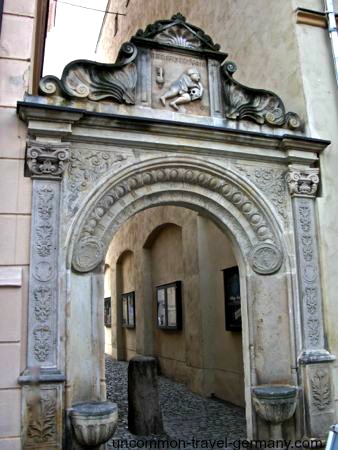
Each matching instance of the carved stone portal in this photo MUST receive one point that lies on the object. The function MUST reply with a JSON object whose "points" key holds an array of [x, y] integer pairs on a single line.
{"points": [[172, 80]]}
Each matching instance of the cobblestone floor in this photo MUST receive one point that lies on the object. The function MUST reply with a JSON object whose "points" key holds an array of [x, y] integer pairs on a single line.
{"points": [[185, 415]]}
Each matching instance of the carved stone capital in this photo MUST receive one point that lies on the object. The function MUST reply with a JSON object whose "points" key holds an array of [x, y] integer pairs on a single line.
{"points": [[47, 160], [303, 183]]}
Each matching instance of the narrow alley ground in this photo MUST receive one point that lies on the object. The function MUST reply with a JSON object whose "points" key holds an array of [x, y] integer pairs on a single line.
{"points": [[185, 415]]}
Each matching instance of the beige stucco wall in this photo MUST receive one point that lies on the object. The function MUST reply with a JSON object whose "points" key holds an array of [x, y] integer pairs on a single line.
{"points": [[126, 273], [259, 36], [167, 267], [178, 244], [15, 212], [223, 357]]}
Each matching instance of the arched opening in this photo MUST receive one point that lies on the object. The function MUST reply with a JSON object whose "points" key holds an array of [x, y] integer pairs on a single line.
{"points": [[239, 212], [204, 353]]}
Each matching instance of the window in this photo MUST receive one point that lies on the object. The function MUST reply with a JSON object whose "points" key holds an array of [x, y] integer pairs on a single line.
{"points": [[107, 312], [232, 299], [128, 310], [169, 306]]}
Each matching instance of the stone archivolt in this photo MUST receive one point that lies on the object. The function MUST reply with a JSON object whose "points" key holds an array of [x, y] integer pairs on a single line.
{"points": [[266, 256]]}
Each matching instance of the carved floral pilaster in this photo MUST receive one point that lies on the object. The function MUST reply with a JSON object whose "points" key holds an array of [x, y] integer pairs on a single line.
{"points": [[315, 372], [46, 163]]}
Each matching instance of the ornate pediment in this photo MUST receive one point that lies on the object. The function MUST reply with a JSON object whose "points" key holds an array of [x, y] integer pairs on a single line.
{"points": [[178, 33], [171, 67]]}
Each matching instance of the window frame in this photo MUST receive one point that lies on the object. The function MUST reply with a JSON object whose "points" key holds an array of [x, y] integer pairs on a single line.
{"points": [[128, 297], [178, 306]]}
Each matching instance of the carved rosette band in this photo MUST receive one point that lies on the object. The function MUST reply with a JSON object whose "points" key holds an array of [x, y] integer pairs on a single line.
{"points": [[265, 256], [46, 160], [303, 183]]}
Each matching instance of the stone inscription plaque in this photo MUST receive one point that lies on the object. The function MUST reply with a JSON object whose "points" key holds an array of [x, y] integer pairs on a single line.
{"points": [[180, 83]]}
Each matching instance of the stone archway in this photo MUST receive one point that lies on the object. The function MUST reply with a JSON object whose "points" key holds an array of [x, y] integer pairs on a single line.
{"points": [[224, 154], [238, 209]]}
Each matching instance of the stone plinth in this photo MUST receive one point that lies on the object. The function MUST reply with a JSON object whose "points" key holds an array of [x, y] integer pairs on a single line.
{"points": [[144, 412]]}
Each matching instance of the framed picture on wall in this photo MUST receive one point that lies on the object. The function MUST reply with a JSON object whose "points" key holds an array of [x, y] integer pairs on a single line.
{"points": [[128, 309], [107, 312], [169, 306], [232, 299]]}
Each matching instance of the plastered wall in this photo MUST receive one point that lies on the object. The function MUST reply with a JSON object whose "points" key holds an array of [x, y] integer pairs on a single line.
{"points": [[166, 255], [15, 213], [126, 272], [223, 357], [178, 244]]}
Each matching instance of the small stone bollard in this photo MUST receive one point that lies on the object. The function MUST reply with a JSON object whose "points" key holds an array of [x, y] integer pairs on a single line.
{"points": [[144, 411]]}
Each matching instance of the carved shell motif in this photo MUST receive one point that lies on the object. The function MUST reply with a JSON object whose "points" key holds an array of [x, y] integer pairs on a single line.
{"points": [[180, 36]]}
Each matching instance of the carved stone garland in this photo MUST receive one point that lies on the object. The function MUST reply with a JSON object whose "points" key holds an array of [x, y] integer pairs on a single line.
{"points": [[314, 358], [265, 257]]}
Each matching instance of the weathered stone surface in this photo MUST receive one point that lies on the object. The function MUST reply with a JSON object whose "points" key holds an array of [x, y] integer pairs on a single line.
{"points": [[144, 413], [94, 422], [275, 404]]}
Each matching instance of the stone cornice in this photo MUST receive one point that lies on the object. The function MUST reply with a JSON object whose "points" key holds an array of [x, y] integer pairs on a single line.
{"points": [[164, 135]]}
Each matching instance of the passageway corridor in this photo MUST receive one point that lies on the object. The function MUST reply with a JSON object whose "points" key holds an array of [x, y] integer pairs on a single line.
{"points": [[185, 415]]}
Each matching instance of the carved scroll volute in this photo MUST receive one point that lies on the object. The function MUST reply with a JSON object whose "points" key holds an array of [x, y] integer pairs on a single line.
{"points": [[263, 107], [303, 183], [95, 81], [47, 160]]}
